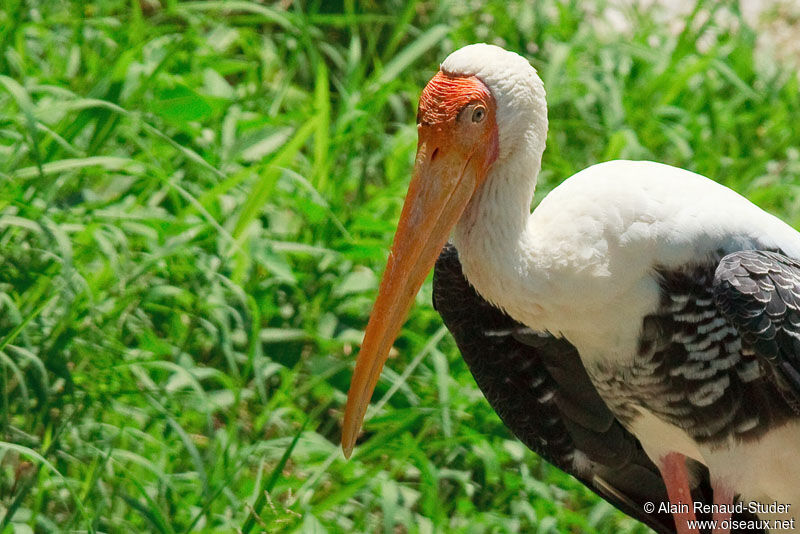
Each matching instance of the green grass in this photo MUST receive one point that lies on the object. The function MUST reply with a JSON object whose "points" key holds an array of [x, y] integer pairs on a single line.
{"points": [[196, 200]]}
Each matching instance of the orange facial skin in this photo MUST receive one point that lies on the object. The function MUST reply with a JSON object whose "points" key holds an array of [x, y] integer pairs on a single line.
{"points": [[458, 142]]}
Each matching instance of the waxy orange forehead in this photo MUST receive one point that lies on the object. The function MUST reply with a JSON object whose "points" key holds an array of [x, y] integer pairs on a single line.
{"points": [[446, 94]]}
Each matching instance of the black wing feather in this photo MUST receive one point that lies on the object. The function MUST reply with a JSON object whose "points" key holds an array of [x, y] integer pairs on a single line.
{"points": [[759, 292]]}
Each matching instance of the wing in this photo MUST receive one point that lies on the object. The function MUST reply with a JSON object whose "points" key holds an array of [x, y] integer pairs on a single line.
{"points": [[538, 386], [759, 292]]}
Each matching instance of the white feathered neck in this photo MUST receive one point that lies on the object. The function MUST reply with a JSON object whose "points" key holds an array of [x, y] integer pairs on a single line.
{"points": [[488, 235]]}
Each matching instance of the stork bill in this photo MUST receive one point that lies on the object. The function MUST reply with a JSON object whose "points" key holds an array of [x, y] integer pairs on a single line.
{"points": [[640, 329]]}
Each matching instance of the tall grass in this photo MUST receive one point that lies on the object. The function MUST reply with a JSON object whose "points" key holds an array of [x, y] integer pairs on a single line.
{"points": [[196, 199]]}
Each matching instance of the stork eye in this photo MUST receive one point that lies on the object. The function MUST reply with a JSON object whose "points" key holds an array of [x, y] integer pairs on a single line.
{"points": [[478, 114]]}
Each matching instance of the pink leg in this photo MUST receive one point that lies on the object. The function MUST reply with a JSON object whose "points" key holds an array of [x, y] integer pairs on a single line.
{"points": [[723, 496], [676, 478]]}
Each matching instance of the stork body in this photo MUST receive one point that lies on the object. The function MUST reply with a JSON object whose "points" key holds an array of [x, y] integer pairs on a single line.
{"points": [[620, 266], [619, 260], [693, 343]]}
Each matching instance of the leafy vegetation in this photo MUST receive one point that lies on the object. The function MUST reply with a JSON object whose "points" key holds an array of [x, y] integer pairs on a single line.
{"points": [[196, 200]]}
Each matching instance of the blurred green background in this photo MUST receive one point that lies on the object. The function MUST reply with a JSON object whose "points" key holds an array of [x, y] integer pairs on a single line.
{"points": [[196, 201]]}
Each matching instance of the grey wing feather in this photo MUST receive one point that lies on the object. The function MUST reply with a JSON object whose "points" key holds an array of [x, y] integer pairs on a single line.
{"points": [[759, 292]]}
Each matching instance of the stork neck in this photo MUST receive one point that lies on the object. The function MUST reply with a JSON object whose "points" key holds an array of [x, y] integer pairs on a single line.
{"points": [[493, 234]]}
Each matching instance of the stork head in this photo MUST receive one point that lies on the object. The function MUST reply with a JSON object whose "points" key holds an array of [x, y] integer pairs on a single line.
{"points": [[478, 109]]}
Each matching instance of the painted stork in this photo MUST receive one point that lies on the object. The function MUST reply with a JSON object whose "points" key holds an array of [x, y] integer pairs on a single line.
{"points": [[641, 325]]}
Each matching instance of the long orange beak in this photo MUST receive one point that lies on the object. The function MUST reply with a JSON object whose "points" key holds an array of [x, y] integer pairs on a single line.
{"points": [[446, 176]]}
